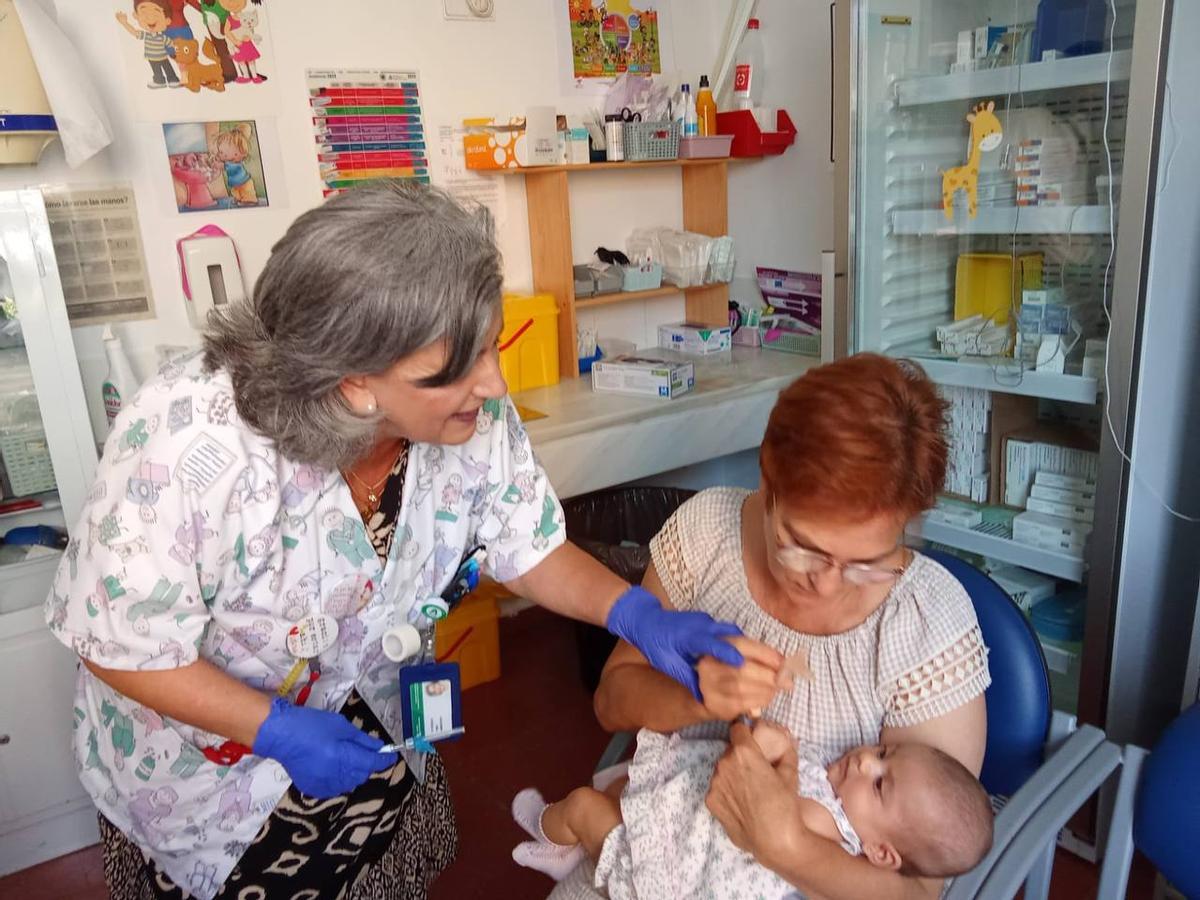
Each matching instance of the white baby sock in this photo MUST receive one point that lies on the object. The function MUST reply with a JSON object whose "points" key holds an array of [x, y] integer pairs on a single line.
{"points": [[542, 854], [527, 809], [554, 860]]}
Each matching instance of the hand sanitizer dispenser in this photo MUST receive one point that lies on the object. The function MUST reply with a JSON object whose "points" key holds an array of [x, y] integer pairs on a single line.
{"points": [[212, 274]]}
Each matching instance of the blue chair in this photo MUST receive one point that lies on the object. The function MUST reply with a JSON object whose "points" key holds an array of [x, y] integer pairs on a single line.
{"points": [[1157, 810], [1018, 700]]}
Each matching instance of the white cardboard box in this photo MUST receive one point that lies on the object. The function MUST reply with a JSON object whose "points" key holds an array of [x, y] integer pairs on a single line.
{"points": [[700, 340], [644, 375], [1025, 587], [1050, 532]]}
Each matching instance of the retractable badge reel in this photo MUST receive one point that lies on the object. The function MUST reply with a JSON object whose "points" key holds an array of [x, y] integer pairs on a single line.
{"points": [[431, 691]]}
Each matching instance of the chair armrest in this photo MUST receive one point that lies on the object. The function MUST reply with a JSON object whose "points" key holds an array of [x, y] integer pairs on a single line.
{"points": [[1025, 804], [1118, 851], [1009, 870]]}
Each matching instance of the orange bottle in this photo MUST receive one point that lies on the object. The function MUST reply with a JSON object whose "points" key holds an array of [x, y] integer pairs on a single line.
{"points": [[706, 109]]}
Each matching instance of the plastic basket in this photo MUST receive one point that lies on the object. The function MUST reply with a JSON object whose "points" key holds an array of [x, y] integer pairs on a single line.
{"points": [[777, 336], [26, 458], [642, 278], [651, 140]]}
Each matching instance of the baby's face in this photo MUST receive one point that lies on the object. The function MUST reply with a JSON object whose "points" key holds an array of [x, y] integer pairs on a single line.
{"points": [[882, 788]]}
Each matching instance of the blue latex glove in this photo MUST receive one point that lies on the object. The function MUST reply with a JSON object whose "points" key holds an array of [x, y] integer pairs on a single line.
{"points": [[323, 753], [672, 641]]}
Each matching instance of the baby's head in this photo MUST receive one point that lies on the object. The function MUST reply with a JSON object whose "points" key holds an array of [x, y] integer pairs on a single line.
{"points": [[915, 809]]}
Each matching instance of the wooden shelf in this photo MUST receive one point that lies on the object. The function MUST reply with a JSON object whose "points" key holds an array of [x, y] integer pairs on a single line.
{"points": [[611, 166], [705, 193], [627, 296]]}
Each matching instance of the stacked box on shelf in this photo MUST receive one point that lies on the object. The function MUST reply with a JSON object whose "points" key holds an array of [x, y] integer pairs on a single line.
{"points": [[1051, 173], [1060, 506], [969, 420]]}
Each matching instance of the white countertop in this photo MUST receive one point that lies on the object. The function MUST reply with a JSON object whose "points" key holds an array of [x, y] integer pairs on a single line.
{"points": [[591, 440]]}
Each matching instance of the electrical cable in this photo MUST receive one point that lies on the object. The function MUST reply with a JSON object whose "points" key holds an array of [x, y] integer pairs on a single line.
{"points": [[1135, 475]]}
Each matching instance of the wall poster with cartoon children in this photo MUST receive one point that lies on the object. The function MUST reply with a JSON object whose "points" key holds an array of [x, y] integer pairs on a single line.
{"points": [[215, 165], [210, 58]]}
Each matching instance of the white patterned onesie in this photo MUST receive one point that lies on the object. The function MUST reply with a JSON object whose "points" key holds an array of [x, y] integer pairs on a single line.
{"points": [[670, 846]]}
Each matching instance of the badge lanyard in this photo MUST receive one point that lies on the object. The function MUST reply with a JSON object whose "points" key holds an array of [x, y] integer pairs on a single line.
{"points": [[431, 692]]}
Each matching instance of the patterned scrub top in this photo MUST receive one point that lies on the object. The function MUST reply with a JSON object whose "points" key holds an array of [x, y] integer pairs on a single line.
{"points": [[199, 540]]}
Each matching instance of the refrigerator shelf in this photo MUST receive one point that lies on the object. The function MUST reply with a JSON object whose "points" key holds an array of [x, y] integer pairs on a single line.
{"points": [[1005, 220], [1051, 75], [1058, 565], [1005, 376]]}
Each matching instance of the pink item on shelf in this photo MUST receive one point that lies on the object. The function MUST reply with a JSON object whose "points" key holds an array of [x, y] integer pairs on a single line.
{"points": [[710, 147]]}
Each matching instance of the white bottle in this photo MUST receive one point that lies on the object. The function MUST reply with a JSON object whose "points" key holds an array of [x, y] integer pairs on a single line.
{"points": [[748, 69], [120, 383], [691, 125]]}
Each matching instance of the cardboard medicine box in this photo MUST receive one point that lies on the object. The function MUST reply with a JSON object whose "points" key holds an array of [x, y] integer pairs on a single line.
{"points": [[643, 374], [688, 337]]}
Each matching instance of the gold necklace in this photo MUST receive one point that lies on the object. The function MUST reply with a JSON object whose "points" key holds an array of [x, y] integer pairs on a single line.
{"points": [[367, 509]]}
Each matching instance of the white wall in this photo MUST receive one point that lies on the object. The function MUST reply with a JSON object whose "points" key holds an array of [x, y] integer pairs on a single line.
{"points": [[780, 210]]}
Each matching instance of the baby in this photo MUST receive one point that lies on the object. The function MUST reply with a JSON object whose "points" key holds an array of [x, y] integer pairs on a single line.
{"points": [[906, 807]]}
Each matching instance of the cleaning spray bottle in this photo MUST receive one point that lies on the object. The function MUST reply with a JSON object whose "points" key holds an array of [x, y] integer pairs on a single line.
{"points": [[120, 383]]}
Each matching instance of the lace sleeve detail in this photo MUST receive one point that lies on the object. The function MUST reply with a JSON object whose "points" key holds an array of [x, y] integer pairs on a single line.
{"points": [[667, 552], [940, 684]]}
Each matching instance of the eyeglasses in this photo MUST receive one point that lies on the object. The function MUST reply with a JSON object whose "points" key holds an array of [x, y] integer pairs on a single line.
{"points": [[810, 562]]}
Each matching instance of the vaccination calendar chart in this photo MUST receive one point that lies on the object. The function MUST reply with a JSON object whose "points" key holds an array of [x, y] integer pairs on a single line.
{"points": [[368, 126]]}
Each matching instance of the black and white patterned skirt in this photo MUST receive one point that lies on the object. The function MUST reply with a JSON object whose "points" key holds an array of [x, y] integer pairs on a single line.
{"points": [[387, 840]]}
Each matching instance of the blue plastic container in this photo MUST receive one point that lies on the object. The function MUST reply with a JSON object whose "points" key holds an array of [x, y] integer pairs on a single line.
{"points": [[1072, 27]]}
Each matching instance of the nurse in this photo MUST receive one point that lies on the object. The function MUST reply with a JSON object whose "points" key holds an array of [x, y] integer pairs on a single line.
{"points": [[264, 513]]}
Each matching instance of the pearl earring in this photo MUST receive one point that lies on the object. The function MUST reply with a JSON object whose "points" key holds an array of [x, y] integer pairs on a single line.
{"points": [[370, 406]]}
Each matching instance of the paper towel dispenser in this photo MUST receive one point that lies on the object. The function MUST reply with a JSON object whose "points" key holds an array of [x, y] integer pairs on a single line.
{"points": [[26, 122]]}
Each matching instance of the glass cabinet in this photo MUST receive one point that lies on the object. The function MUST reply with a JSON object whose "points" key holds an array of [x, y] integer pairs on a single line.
{"points": [[47, 455], [987, 141], [47, 461]]}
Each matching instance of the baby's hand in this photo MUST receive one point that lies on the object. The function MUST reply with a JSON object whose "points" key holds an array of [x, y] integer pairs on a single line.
{"points": [[772, 740]]}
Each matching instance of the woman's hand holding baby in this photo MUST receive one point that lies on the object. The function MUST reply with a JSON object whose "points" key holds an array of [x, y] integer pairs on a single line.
{"points": [[728, 692], [756, 802]]}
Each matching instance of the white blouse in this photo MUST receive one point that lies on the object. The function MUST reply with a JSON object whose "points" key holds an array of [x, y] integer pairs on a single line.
{"points": [[916, 657]]}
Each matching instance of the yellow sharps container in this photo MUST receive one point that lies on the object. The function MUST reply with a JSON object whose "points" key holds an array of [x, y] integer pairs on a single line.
{"points": [[529, 341]]}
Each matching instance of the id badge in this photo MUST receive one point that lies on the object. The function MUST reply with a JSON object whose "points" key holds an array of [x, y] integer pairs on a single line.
{"points": [[431, 704]]}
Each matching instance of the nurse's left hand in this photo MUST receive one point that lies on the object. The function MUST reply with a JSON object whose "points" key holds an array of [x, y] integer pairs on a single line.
{"points": [[672, 642]]}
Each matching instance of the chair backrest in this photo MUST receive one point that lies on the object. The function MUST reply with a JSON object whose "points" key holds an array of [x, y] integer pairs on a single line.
{"points": [[1166, 816], [1018, 700]]}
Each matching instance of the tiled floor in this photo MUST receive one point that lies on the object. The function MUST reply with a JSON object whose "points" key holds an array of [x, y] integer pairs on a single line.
{"points": [[532, 727]]}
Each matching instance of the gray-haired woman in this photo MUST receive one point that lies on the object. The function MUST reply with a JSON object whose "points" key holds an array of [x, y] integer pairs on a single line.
{"points": [[263, 514]]}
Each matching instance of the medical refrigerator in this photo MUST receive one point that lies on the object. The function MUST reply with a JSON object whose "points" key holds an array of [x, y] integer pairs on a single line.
{"points": [[47, 462], [998, 165]]}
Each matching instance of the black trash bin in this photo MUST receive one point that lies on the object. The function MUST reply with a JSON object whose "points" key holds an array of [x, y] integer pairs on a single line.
{"points": [[615, 526]]}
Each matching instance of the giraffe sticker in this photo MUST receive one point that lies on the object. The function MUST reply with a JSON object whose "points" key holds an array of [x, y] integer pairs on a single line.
{"points": [[986, 134]]}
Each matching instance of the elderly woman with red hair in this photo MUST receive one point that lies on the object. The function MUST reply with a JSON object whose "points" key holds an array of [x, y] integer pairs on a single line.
{"points": [[812, 567]]}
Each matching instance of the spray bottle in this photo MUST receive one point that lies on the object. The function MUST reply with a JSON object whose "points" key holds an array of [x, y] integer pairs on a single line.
{"points": [[120, 383]]}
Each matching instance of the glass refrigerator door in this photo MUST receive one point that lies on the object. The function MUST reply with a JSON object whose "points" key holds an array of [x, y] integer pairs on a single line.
{"points": [[989, 140], [47, 454]]}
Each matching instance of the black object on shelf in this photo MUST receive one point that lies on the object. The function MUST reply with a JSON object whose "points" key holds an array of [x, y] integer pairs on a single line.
{"points": [[615, 527]]}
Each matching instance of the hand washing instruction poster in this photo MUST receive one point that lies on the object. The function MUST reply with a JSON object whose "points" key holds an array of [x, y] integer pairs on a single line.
{"points": [[614, 37], [98, 246], [368, 125]]}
